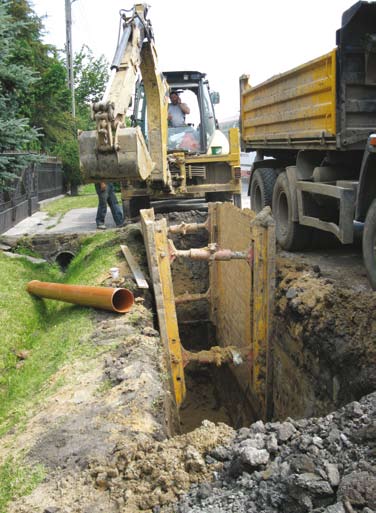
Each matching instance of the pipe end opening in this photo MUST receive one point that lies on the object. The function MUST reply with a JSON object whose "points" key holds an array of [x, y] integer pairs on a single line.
{"points": [[122, 300]]}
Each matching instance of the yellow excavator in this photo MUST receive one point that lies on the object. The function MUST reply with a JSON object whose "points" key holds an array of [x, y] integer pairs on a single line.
{"points": [[151, 160]]}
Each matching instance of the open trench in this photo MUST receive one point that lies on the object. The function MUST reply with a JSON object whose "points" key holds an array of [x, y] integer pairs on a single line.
{"points": [[212, 392], [323, 357], [323, 338], [323, 344]]}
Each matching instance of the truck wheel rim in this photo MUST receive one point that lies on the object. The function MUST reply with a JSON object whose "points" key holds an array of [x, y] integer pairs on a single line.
{"points": [[257, 207], [283, 210]]}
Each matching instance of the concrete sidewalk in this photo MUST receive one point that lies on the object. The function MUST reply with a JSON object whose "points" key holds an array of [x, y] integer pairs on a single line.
{"points": [[78, 220]]}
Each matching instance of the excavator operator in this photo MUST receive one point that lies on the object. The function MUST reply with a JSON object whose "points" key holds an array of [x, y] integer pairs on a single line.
{"points": [[177, 110]]}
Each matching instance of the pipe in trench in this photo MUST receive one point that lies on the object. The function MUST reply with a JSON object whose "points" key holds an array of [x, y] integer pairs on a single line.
{"points": [[107, 298]]}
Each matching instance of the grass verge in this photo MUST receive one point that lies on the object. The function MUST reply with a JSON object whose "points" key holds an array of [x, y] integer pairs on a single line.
{"points": [[44, 330], [87, 198], [61, 206], [39, 337], [17, 480]]}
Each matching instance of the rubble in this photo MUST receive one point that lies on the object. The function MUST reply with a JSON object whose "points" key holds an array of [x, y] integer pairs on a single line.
{"points": [[318, 465]]}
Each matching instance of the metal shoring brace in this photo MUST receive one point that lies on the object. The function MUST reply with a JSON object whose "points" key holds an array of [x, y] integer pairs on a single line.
{"points": [[215, 355], [210, 252]]}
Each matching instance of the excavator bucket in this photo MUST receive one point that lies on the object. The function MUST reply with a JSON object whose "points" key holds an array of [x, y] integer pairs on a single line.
{"points": [[131, 160]]}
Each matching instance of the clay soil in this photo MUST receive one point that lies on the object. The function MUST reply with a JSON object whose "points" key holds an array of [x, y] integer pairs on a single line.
{"points": [[325, 306]]}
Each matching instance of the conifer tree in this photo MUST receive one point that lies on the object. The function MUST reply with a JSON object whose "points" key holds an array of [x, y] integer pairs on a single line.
{"points": [[16, 135]]}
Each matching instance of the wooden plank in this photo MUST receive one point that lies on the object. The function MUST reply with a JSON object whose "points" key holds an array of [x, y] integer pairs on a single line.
{"points": [[137, 273]]}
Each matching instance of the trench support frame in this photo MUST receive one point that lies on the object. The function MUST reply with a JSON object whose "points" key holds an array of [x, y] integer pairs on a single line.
{"points": [[156, 242], [258, 260]]}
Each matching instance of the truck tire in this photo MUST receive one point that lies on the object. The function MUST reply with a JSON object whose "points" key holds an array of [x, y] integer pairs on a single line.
{"points": [[261, 190], [369, 244], [289, 234], [133, 206], [238, 200]]}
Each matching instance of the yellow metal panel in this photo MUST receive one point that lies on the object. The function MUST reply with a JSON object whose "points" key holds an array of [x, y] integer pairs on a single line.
{"points": [[234, 139], [263, 270], [155, 236], [242, 296], [232, 158], [174, 345], [300, 103]]}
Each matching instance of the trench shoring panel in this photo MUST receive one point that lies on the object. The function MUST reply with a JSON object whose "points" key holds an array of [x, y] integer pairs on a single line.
{"points": [[242, 295], [241, 258]]}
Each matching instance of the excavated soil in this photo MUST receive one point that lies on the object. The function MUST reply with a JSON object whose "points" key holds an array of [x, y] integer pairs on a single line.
{"points": [[327, 330], [102, 436]]}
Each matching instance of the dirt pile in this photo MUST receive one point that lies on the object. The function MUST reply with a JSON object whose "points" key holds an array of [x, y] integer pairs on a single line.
{"points": [[148, 475], [318, 465]]}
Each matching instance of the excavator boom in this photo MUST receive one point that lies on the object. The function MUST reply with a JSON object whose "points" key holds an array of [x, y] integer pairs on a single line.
{"points": [[114, 151]]}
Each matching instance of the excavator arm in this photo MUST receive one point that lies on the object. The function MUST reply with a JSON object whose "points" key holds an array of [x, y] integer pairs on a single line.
{"points": [[114, 151]]}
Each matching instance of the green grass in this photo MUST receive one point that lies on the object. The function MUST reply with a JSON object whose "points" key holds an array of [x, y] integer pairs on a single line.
{"points": [[88, 188], [98, 254], [87, 198], [62, 205], [17, 480], [46, 328], [53, 332]]}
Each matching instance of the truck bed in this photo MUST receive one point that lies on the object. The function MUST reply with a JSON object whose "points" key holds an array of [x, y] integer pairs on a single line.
{"points": [[296, 107], [327, 103]]}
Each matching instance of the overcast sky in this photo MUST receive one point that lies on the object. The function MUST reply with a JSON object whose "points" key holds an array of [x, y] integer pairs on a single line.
{"points": [[253, 37]]}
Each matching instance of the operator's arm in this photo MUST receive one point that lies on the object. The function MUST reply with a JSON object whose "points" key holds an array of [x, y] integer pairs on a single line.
{"points": [[184, 108]]}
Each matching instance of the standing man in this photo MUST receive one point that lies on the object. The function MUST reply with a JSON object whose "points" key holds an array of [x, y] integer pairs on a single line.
{"points": [[106, 194], [177, 110]]}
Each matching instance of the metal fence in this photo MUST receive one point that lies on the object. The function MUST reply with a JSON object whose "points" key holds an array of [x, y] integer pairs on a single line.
{"points": [[37, 182]]}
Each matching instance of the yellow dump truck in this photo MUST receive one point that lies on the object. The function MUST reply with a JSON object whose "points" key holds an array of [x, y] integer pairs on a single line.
{"points": [[313, 129]]}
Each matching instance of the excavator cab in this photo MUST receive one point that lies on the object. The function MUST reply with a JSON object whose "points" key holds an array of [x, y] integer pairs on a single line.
{"points": [[200, 132]]}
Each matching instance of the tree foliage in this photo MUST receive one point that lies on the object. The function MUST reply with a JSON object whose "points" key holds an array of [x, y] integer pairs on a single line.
{"points": [[16, 135], [34, 92], [48, 100], [90, 76]]}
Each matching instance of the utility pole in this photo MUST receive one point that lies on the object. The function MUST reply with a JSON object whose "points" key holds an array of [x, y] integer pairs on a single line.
{"points": [[69, 51]]}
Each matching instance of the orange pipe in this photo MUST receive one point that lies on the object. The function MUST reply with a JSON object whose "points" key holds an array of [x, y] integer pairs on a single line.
{"points": [[106, 298]]}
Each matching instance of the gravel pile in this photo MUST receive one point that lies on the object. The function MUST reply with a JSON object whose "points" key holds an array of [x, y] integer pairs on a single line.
{"points": [[320, 465]]}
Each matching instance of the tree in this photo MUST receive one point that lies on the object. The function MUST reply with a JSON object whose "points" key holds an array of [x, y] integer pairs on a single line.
{"points": [[38, 94], [91, 77], [48, 100], [16, 135]]}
